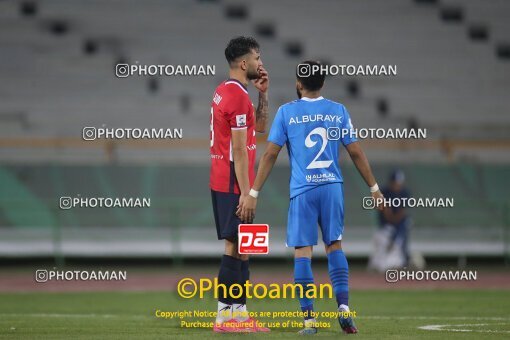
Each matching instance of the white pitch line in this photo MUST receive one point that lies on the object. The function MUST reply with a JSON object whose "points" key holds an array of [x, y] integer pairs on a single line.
{"points": [[387, 317], [444, 329]]}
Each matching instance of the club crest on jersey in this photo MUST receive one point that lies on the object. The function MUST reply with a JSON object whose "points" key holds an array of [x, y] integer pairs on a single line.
{"points": [[241, 120], [217, 99]]}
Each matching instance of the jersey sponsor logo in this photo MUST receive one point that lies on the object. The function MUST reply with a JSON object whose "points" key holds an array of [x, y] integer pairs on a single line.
{"points": [[320, 178], [253, 239], [241, 120], [315, 118]]}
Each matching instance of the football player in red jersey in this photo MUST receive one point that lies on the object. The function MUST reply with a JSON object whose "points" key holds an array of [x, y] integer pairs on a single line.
{"points": [[234, 123]]}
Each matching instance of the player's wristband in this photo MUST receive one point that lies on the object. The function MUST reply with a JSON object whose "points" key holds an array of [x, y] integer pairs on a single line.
{"points": [[253, 193], [374, 188]]}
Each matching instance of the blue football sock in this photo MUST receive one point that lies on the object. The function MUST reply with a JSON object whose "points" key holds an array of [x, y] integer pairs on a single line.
{"points": [[303, 276], [339, 275]]}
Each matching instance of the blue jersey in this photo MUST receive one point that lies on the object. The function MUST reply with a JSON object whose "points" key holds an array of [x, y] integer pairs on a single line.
{"points": [[313, 130]]}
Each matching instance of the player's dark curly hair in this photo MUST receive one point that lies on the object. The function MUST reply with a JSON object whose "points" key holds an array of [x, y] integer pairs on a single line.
{"points": [[240, 46], [311, 81]]}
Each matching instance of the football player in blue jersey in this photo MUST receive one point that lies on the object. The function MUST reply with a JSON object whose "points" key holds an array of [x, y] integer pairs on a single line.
{"points": [[313, 128]]}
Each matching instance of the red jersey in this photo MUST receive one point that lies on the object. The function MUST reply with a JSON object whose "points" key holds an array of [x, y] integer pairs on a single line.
{"points": [[231, 110]]}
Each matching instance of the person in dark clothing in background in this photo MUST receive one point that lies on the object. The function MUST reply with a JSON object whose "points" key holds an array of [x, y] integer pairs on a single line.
{"points": [[391, 240]]}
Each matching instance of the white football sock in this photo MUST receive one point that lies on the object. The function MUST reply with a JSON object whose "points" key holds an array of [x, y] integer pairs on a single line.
{"points": [[224, 312], [344, 308], [310, 323], [239, 312]]}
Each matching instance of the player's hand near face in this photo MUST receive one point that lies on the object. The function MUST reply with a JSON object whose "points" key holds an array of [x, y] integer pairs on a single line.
{"points": [[378, 198], [262, 83], [246, 208]]}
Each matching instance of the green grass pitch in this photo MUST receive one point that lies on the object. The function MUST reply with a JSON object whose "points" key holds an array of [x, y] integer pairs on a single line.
{"points": [[380, 315]]}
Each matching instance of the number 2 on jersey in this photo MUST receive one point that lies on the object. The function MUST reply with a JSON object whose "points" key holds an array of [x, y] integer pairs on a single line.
{"points": [[315, 164]]}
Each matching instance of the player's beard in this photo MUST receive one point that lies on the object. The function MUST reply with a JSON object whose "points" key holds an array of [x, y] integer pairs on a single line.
{"points": [[252, 74], [298, 92]]}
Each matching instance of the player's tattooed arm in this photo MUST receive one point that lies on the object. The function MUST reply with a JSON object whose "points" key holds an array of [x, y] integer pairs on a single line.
{"points": [[262, 113]]}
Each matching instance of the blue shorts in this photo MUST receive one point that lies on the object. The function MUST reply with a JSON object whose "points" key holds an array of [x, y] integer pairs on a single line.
{"points": [[323, 205]]}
